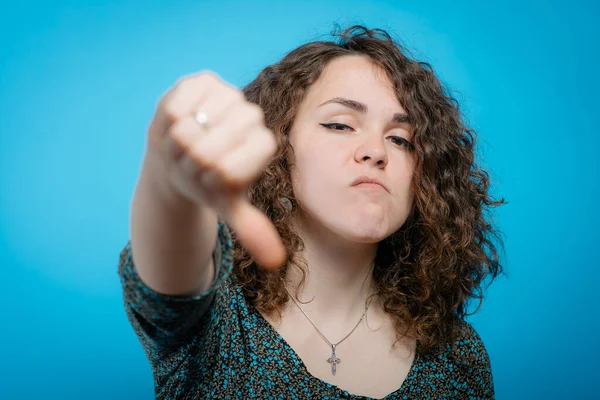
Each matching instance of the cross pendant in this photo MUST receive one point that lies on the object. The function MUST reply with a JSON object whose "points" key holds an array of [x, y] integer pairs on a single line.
{"points": [[333, 360]]}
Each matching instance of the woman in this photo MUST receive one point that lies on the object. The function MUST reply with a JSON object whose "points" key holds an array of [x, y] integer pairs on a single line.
{"points": [[358, 235]]}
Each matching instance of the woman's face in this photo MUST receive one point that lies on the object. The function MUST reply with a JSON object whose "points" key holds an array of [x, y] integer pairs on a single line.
{"points": [[351, 125]]}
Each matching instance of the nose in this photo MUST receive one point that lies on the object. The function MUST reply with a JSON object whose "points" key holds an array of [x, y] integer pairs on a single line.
{"points": [[372, 151]]}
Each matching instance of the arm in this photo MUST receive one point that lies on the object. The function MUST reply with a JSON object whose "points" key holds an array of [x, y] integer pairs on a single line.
{"points": [[164, 322], [191, 174], [172, 238], [167, 270]]}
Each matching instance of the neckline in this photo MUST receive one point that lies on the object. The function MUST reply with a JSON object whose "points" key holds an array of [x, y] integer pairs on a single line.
{"points": [[277, 336]]}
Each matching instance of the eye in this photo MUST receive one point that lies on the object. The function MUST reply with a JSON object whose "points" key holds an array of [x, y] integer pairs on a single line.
{"points": [[337, 127], [400, 141]]}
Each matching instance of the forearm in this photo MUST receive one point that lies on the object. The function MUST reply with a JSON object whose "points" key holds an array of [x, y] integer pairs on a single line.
{"points": [[172, 238]]}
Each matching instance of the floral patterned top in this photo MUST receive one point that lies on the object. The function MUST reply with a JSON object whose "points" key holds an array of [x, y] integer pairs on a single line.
{"points": [[218, 346]]}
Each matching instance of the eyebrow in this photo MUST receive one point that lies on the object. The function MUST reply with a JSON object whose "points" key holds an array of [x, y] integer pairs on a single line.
{"points": [[362, 108]]}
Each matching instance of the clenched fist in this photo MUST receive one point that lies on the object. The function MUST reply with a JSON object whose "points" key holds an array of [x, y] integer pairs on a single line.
{"points": [[214, 144]]}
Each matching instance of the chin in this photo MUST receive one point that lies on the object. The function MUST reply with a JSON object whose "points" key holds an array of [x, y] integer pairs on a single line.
{"points": [[364, 234], [363, 229], [364, 223]]}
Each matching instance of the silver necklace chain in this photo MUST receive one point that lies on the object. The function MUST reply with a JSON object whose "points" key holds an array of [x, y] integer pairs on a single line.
{"points": [[333, 360]]}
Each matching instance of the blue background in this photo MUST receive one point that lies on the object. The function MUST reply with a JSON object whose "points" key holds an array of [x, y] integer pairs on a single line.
{"points": [[79, 82]]}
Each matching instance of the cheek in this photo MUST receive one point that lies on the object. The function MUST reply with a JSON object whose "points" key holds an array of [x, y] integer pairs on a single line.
{"points": [[402, 177], [311, 175], [316, 178], [402, 184]]}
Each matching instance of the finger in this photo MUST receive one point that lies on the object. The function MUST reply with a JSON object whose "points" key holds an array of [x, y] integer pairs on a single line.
{"points": [[237, 117], [257, 234], [185, 97], [190, 92], [218, 108], [224, 138], [181, 137], [242, 165]]}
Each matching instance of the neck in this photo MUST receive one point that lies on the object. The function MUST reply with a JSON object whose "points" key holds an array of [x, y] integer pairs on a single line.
{"points": [[340, 276]]}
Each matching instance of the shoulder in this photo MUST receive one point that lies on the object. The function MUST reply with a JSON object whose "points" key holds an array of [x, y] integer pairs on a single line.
{"points": [[468, 347], [472, 372], [465, 364]]}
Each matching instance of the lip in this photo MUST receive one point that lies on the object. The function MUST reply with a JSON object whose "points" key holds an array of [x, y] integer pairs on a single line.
{"points": [[368, 179]]}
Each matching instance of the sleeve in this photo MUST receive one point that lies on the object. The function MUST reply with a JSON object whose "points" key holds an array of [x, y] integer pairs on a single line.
{"points": [[474, 378], [161, 321]]}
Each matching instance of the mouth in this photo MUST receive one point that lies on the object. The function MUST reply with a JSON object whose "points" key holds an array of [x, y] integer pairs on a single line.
{"points": [[368, 182]]}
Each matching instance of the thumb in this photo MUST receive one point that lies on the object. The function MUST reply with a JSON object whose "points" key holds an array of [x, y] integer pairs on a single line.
{"points": [[257, 234]]}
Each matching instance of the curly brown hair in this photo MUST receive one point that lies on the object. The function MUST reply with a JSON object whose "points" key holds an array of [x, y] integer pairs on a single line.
{"points": [[426, 272]]}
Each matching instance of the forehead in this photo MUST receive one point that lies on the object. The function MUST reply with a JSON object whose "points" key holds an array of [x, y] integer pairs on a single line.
{"points": [[354, 77]]}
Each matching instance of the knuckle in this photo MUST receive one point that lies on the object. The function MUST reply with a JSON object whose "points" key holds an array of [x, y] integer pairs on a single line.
{"points": [[237, 95], [231, 172], [209, 74], [268, 138], [202, 157], [182, 81], [171, 111], [178, 134], [271, 144], [186, 81], [220, 170], [208, 78], [270, 150], [231, 179], [256, 113]]}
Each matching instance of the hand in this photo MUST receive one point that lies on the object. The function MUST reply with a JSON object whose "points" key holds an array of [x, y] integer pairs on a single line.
{"points": [[213, 162]]}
